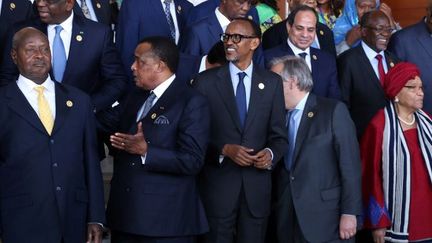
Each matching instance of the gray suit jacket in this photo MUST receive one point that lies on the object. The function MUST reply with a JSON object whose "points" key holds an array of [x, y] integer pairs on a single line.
{"points": [[325, 176], [221, 183]]}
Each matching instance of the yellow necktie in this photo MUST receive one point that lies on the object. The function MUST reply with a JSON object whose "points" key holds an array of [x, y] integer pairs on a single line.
{"points": [[45, 114]]}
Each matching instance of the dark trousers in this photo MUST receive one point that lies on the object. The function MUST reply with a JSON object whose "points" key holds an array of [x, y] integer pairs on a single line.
{"points": [[122, 237], [240, 227]]}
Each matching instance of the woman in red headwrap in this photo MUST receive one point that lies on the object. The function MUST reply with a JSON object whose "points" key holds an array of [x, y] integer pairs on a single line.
{"points": [[396, 151]]}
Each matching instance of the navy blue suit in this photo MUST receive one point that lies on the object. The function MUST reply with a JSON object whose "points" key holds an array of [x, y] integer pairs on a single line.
{"points": [[102, 9], [139, 19], [50, 185], [324, 72], [93, 64], [160, 198], [414, 44], [12, 11]]}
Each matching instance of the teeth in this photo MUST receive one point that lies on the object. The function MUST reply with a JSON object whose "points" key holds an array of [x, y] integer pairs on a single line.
{"points": [[230, 49]]}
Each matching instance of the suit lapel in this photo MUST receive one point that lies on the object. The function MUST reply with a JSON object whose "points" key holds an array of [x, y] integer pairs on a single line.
{"points": [[425, 41], [254, 100], [363, 61], [77, 44], [98, 9], [19, 104], [226, 91], [314, 63], [214, 28], [63, 106], [305, 122]]}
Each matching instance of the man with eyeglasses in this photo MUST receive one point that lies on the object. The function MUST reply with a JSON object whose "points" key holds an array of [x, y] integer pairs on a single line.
{"points": [[248, 137], [362, 69], [302, 28], [414, 44]]}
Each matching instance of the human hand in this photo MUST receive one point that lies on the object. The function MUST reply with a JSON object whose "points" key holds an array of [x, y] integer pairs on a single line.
{"points": [[388, 12], [263, 159], [133, 144], [378, 235], [94, 233], [347, 226], [239, 154], [353, 35]]}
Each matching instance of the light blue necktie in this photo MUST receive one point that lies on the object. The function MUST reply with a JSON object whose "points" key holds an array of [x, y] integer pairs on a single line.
{"points": [[59, 55], [170, 19], [148, 104], [292, 131], [241, 98]]}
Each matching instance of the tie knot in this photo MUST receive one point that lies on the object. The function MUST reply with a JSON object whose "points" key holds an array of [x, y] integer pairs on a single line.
{"points": [[167, 2], [241, 75], [303, 55], [378, 57], [40, 89], [58, 29]]}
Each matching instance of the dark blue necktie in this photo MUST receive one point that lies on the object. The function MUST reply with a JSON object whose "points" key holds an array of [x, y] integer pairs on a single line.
{"points": [[303, 55], [241, 98], [169, 18], [292, 130]]}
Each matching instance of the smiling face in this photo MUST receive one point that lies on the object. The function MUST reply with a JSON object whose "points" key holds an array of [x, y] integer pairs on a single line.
{"points": [[377, 32], [54, 11], [303, 30], [32, 55]]}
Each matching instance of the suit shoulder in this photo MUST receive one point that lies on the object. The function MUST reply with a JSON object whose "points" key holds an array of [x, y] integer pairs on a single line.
{"points": [[74, 92], [410, 31], [267, 74]]}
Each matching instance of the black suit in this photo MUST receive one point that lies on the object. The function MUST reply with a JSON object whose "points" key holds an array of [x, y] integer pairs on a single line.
{"points": [[226, 186], [360, 87], [324, 180], [277, 34]]}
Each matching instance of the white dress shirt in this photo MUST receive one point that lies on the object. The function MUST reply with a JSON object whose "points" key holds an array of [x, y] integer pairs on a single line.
{"points": [[90, 8], [222, 19], [174, 18], [27, 88], [297, 51], [371, 54], [65, 34]]}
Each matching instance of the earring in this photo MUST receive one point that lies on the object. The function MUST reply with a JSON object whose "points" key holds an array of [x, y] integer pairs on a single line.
{"points": [[396, 100]]}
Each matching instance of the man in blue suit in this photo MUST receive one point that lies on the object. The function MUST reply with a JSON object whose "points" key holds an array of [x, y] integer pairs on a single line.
{"points": [[302, 29], [102, 11], [414, 44], [139, 19], [160, 134], [50, 179]]}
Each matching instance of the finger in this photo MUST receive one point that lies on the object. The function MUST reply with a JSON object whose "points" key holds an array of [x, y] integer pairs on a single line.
{"points": [[139, 128]]}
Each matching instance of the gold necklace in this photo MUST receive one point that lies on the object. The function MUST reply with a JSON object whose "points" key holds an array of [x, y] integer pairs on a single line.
{"points": [[407, 123]]}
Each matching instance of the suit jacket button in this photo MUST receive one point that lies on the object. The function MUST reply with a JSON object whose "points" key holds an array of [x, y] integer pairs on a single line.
{"points": [[133, 163], [292, 178], [128, 189], [55, 165], [52, 141], [58, 188]]}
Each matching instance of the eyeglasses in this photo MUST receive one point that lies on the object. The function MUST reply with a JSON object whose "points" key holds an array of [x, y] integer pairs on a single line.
{"points": [[381, 30], [49, 2], [236, 38]]}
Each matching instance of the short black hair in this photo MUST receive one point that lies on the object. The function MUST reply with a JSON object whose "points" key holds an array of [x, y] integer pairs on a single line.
{"points": [[165, 49], [217, 54], [292, 15], [255, 27]]}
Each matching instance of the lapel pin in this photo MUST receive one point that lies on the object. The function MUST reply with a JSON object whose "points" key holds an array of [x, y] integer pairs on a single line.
{"points": [[314, 57], [162, 108], [250, 17], [261, 86], [391, 64], [98, 5], [12, 6], [79, 38], [310, 114], [179, 9], [69, 103], [321, 32], [153, 116]]}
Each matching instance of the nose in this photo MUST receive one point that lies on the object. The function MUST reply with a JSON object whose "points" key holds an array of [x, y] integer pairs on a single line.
{"points": [[40, 3], [133, 67]]}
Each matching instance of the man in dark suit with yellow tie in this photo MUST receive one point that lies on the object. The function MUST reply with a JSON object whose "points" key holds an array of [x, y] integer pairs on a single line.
{"points": [[51, 186]]}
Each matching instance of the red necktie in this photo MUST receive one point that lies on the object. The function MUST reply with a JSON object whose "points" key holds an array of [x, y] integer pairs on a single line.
{"points": [[381, 71]]}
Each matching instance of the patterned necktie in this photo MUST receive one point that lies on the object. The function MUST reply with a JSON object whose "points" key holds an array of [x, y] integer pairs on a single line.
{"points": [[59, 55], [45, 114], [241, 98], [147, 106], [85, 9], [381, 71], [170, 19], [292, 132], [303, 55]]}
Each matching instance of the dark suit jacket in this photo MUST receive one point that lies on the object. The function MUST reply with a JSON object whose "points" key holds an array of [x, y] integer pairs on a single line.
{"points": [[188, 67], [277, 34], [324, 180], [139, 19], [160, 198], [50, 186], [93, 64], [103, 11], [12, 11], [324, 72], [360, 87], [414, 44], [221, 183]]}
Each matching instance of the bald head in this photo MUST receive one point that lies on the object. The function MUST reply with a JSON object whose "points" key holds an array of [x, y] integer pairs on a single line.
{"points": [[31, 53]]}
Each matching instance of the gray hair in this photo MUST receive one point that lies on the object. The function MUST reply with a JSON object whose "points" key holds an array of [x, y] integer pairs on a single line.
{"points": [[296, 68]]}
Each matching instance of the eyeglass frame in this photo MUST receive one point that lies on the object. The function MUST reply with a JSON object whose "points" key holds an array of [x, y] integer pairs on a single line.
{"points": [[381, 30], [233, 36]]}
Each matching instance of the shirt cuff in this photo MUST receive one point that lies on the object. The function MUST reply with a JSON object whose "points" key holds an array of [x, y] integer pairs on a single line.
{"points": [[271, 152], [100, 224], [221, 158], [143, 158]]}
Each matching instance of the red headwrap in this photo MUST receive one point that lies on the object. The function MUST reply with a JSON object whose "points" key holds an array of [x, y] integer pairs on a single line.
{"points": [[398, 76]]}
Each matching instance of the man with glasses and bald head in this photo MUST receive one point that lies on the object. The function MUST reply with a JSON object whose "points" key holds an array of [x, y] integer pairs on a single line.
{"points": [[248, 137]]}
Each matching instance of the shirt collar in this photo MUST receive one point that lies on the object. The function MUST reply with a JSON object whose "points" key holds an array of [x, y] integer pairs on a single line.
{"points": [[370, 53], [66, 25], [301, 105], [297, 50], [162, 87], [222, 19], [234, 69], [27, 86]]}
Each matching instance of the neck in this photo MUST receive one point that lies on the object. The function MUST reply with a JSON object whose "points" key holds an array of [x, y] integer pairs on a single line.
{"points": [[404, 113], [242, 65], [296, 97]]}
